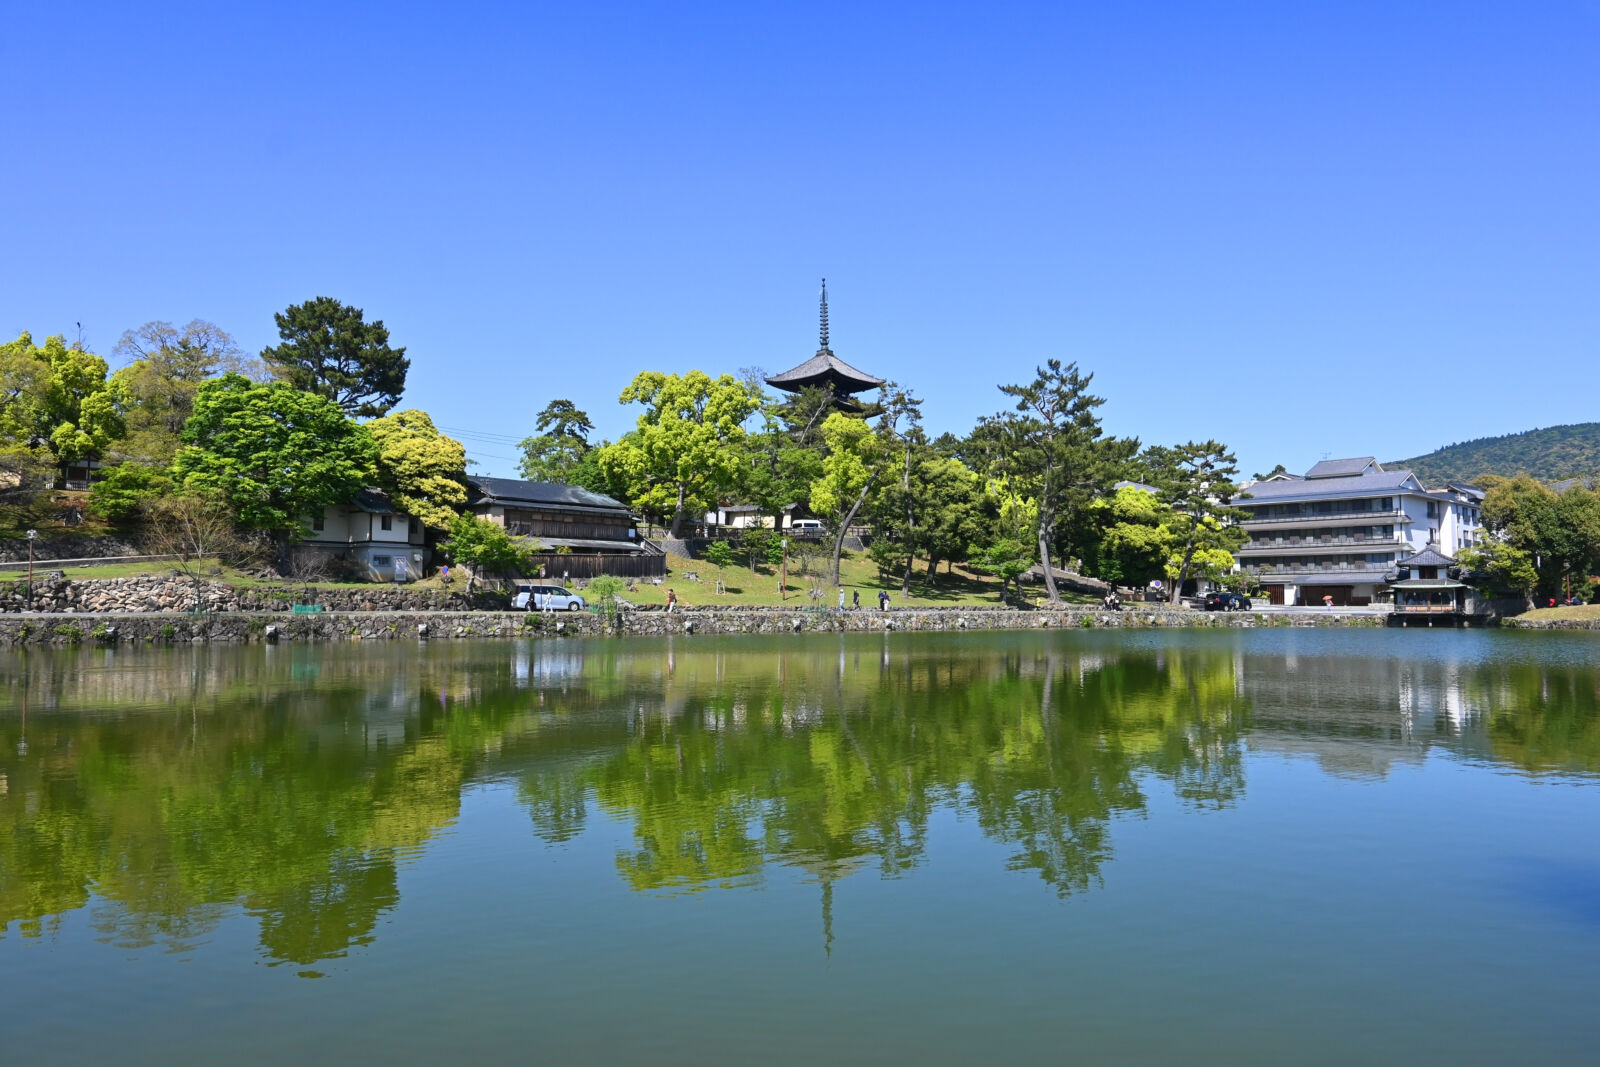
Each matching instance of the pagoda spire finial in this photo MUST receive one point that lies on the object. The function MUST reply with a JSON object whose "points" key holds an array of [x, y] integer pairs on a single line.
{"points": [[824, 313]]}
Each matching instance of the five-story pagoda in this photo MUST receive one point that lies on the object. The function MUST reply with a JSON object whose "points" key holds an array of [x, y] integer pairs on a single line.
{"points": [[827, 371]]}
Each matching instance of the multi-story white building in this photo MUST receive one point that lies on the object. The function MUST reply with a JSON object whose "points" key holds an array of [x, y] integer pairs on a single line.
{"points": [[1339, 530]]}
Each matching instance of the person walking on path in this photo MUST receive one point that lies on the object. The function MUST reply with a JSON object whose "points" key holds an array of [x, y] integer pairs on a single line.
{"points": [[855, 600], [1327, 601], [841, 598], [672, 599], [883, 600]]}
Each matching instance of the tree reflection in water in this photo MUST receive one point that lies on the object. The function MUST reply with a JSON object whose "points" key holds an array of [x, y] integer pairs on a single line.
{"points": [[170, 789]]}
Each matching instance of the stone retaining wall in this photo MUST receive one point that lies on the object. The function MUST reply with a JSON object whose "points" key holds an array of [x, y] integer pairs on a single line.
{"points": [[1551, 624], [165, 593], [146, 628], [65, 546]]}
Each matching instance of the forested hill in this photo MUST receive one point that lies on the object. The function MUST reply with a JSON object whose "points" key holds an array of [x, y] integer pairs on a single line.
{"points": [[1550, 454]]}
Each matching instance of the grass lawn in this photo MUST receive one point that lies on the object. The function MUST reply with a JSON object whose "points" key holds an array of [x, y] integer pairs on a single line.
{"points": [[856, 572], [955, 588], [1577, 611]]}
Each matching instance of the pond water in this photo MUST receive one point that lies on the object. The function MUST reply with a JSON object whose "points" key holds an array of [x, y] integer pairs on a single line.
{"points": [[1258, 846]]}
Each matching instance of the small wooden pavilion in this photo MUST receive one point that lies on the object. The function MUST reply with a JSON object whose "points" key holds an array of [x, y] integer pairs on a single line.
{"points": [[1426, 590], [827, 371]]}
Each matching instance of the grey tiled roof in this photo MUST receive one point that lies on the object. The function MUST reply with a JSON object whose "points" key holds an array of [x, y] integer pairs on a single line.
{"points": [[374, 501], [1322, 488], [1428, 583], [820, 365], [1428, 557], [512, 491], [1340, 468]]}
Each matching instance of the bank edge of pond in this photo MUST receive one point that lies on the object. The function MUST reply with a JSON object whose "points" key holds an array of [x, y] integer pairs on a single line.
{"points": [[235, 628]]}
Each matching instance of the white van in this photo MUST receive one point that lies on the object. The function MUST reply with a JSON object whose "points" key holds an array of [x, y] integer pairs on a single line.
{"points": [[806, 527]]}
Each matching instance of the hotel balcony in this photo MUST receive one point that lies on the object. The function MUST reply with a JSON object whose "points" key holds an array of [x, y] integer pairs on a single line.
{"points": [[1343, 518]]}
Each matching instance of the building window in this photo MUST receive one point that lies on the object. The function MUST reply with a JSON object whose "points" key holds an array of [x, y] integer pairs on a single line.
{"points": [[381, 561], [386, 522], [411, 527], [1433, 510], [319, 523]]}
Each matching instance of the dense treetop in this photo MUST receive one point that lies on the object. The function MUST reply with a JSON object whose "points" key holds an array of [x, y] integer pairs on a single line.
{"points": [[1554, 453]]}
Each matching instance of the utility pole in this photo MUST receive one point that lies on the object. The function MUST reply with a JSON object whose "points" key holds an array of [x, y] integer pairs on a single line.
{"points": [[783, 569], [31, 535]]}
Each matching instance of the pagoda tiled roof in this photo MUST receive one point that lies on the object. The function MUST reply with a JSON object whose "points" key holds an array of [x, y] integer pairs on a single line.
{"points": [[821, 366]]}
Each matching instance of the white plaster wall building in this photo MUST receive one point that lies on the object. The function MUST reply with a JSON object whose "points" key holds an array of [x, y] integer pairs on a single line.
{"points": [[1340, 529], [370, 532]]}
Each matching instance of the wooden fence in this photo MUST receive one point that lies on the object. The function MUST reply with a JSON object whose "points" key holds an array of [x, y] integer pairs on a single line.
{"points": [[573, 565]]}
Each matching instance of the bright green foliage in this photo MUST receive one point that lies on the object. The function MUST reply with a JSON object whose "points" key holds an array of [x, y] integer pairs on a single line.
{"points": [[555, 453], [1137, 539], [684, 453], [274, 453], [853, 452], [1505, 565], [57, 403], [330, 349], [423, 470], [1195, 481], [1206, 561], [605, 592], [123, 491], [485, 546], [854, 460], [1558, 533], [719, 554], [157, 386]]}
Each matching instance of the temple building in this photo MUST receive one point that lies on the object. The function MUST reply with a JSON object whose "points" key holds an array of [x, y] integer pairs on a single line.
{"points": [[826, 370]]}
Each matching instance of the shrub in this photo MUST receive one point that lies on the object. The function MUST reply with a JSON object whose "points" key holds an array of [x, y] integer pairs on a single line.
{"points": [[72, 633]]}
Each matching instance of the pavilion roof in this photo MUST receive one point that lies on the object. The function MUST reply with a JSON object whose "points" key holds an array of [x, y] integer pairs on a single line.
{"points": [[1428, 557]]}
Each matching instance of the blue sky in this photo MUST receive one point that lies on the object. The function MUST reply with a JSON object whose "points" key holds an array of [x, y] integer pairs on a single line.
{"points": [[1299, 228]]}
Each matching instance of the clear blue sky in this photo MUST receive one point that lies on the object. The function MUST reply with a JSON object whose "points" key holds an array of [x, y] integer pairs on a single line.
{"points": [[1301, 228]]}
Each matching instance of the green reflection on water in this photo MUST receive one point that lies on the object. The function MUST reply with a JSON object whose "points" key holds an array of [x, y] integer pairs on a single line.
{"points": [[166, 789]]}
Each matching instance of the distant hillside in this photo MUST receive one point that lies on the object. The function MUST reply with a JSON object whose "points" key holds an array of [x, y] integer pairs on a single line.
{"points": [[1550, 454]]}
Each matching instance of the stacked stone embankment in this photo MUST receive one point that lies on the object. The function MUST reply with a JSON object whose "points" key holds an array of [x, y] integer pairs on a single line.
{"points": [[168, 593], [66, 546], [237, 627]]}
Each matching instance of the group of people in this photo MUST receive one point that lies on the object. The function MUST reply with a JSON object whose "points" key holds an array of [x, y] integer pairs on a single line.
{"points": [[1112, 601], [855, 599]]}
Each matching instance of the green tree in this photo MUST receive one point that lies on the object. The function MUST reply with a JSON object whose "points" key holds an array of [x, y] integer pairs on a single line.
{"points": [[58, 403], [684, 453], [330, 349], [423, 470], [851, 467], [776, 471], [1504, 565], [124, 490], [165, 367], [485, 547], [1137, 539], [1051, 448], [556, 452], [274, 453], [950, 506], [1195, 482]]}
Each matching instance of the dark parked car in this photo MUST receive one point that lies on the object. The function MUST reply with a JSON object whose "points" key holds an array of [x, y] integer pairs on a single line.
{"points": [[1226, 602]]}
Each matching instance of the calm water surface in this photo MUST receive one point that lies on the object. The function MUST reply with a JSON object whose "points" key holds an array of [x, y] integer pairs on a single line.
{"points": [[1272, 846]]}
